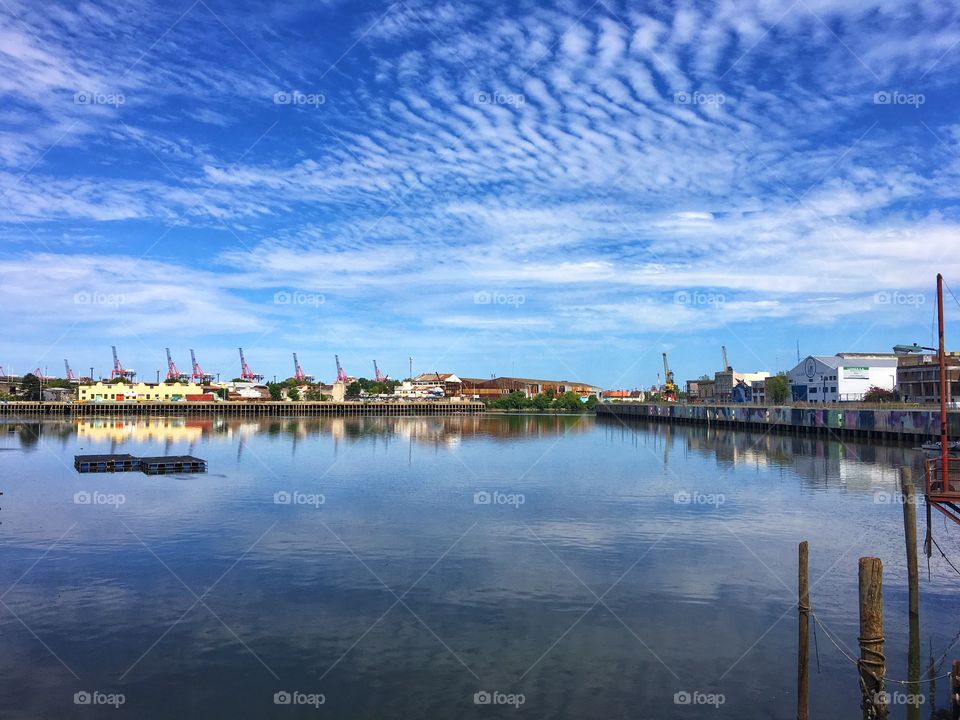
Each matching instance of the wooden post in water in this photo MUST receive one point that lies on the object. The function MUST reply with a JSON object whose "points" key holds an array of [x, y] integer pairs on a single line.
{"points": [[872, 664], [910, 534], [803, 652]]}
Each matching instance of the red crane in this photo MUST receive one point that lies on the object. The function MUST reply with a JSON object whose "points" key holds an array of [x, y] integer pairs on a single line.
{"points": [[172, 372], [70, 375], [298, 373], [118, 369], [245, 372], [39, 373], [197, 372], [341, 375], [377, 375]]}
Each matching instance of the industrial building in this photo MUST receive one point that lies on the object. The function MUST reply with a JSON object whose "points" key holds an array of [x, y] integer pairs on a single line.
{"points": [[725, 381], [844, 377], [123, 392], [495, 387], [918, 377]]}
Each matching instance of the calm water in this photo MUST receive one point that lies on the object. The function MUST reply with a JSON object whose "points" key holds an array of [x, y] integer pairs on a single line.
{"points": [[583, 586]]}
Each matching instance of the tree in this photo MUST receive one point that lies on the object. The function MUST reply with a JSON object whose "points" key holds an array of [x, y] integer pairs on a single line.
{"points": [[315, 394], [778, 389], [876, 394], [568, 401], [293, 393], [353, 389], [276, 391], [31, 387]]}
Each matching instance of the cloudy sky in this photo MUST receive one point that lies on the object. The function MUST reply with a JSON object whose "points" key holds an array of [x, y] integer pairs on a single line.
{"points": [[560, 189]]}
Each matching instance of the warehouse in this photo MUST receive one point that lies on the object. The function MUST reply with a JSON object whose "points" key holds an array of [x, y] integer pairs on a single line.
{"points": [[844, 377]]}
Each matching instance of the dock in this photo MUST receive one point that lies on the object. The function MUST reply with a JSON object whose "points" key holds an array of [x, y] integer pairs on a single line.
{"points": [[904, 424], [164, 465], [105, 463], [172, 464], [244, 409]]}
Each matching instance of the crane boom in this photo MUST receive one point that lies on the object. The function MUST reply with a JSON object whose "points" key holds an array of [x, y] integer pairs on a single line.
{"points": [[245, 372], [669, 387], [298, 373], [726, 363], [377, 375], [70, 375], [196, 372], [172, 372], [118, 370], [341, 375]]}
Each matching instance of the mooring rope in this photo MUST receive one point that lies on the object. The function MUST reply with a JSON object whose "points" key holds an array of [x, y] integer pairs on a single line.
{"points": [[858, 662]]}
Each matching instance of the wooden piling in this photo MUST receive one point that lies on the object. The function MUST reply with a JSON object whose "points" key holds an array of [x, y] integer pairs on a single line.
{"points": [[872, 664], [955, 689], [910, 535], [803, 651]]}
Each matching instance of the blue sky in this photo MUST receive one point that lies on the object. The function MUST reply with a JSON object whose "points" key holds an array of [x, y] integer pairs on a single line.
{"points": [[547, 190]]}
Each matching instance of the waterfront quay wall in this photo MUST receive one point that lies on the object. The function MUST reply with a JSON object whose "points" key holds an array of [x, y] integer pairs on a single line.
{"points": [[330, 409], [905, 424]]}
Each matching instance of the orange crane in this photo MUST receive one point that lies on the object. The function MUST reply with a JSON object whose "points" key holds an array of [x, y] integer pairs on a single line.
{"points": [[669, 388]]}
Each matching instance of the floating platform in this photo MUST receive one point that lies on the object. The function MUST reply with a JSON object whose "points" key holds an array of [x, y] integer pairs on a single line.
{"points": [[172, 464], [149, 465], [105, 463]]}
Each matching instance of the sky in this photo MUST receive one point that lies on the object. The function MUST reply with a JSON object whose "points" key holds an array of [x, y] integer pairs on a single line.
{"points": [[557, 190]]}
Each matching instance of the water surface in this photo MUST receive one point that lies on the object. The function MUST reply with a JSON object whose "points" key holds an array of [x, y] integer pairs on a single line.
{"points": [[613, 567]]}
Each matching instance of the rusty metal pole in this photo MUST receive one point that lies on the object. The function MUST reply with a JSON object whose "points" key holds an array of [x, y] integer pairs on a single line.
{"points": [[909, 493], [944, 461], [803, 653], [872, 664], [913, 576]]}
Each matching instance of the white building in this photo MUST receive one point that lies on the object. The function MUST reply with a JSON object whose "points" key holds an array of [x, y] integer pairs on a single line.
{"points": [[843, 377]]}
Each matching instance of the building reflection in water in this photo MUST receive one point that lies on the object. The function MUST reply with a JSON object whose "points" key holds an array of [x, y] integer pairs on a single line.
{"points": [[818, 460]]}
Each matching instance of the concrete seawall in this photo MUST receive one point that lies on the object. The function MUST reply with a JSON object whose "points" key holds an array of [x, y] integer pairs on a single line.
{"points": [[437, 407], [915, 424]]}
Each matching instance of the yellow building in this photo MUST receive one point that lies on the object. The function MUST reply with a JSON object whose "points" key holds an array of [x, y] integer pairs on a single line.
{"points": [[141, 392]]}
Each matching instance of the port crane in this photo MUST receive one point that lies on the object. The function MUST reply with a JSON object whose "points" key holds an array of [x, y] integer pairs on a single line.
{"points": [[298, 373], [377, 375], [669, 387], [341, 375], [71, 377], [196, 372], [172, 372], [245, 372], [726, 363], [118, 370]]}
